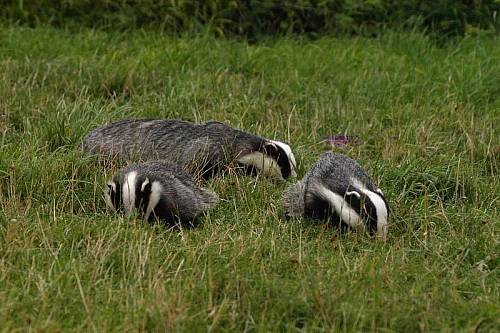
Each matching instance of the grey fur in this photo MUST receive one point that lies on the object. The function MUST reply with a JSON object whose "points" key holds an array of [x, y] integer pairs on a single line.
{"points": [[180, 197], [202, 148], [340, 175]]}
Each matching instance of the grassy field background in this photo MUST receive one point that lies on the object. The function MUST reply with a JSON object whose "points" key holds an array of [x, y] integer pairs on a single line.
{"points": [[429, 119]]}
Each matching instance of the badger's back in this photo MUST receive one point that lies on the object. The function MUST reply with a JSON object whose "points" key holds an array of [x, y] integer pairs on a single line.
{"points": [[179, 191], [340, 171], [137, 139], [184, 143], [204, 149], [196, 146]]}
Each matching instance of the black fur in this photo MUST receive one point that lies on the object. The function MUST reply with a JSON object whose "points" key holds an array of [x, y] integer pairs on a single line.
{"points": [[142, 197], [279, 155], [116, 196]]}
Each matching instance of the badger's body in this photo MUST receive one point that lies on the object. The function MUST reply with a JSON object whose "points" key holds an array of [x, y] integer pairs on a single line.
{"points": [[202, 148], [338, 189], [160, 190]]}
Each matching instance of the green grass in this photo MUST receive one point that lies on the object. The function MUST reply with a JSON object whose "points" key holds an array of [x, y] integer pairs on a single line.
{"points": [[429, 118]]}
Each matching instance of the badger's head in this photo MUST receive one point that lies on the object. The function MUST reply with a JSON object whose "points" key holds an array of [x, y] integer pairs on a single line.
{"points": [[131, 192], [358, 207], [372, 207], [274, 158], [113, 196]]}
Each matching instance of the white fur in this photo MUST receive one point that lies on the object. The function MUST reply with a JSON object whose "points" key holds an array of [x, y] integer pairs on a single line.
{"points": [[146, 182], [289, 154], [264, 163], [382, 213], [353, 193], [380, 207], [343, 209], [128, 192], [107, 196], [154, 198]]}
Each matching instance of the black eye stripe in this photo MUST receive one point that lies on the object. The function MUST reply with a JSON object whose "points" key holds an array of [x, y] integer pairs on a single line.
{"points": [[142, 197], [354, 202], [116, 197], [365, 208], [370, 214], [278, 154]]}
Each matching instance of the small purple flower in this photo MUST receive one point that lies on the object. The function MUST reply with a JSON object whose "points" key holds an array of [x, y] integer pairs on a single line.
{"points": [[341, 140]]}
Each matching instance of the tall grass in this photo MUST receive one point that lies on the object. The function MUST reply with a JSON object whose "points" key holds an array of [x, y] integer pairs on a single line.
{"points": [[254, 18], [428, 117]]}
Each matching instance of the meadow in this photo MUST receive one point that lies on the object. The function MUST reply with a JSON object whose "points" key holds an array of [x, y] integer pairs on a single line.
{"points": [[427, 115]]}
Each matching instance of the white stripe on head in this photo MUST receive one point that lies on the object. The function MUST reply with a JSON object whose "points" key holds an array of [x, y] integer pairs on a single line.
{"points": [[341, 206], [110, 186], [146, 182], [154, 198], [128, 192], [289, 154], [267, 165], [353, 193], [382, 214], [380, 207]]}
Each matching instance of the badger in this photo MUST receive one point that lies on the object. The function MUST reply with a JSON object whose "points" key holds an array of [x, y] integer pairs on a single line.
{"points": [[158, 189], [204, 149], [336, 188]]}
